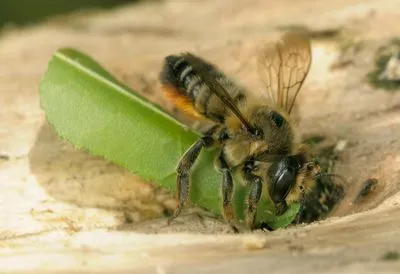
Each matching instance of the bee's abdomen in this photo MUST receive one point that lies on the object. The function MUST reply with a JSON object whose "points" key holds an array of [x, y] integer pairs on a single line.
{"points": [[177, 73]]}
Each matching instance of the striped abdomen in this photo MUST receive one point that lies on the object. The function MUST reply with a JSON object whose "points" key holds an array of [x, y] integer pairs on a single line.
{"points": [[180, 79]]}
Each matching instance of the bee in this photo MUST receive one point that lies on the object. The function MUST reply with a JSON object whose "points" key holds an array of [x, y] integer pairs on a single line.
{"points": [[253, 131]]}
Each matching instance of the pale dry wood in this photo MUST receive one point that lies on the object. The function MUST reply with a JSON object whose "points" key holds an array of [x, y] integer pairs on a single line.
{"points": [[63, 209]]}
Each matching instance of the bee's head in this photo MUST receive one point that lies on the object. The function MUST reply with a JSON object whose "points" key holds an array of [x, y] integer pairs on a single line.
{"points": [[290, 179]]}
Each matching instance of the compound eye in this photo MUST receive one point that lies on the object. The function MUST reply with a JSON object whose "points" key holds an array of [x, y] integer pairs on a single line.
{"points": [[282, 177], [277, 119], [283, 185]]}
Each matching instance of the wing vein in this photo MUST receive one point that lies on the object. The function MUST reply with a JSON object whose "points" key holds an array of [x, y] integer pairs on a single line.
{"points": [[285, 65]]}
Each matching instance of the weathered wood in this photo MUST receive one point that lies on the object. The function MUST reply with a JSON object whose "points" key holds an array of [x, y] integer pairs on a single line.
{"points": [[61, 209]]}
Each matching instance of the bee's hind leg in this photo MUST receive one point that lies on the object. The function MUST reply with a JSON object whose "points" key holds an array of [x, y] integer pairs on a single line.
{"points": [[183, 170]]}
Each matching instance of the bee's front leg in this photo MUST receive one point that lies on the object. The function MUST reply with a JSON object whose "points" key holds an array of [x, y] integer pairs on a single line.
{"points": [[255, 183]]}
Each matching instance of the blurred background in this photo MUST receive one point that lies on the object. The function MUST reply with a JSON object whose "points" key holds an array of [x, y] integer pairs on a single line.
{"points": [[23, 12]]}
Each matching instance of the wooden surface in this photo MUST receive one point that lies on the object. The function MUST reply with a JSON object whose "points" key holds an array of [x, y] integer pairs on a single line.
{"points": [[62, 209]]}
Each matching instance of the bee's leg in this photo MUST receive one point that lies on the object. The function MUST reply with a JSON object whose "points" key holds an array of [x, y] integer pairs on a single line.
{"points": [[255, 183], [183, 170], [227, 192], [253, 198]]}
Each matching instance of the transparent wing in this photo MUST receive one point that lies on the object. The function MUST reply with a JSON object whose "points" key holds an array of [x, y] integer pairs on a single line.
{"points": [[283, 67]]}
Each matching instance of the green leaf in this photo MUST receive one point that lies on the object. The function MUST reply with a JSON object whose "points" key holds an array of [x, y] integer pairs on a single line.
{"points": [[91, 109]]}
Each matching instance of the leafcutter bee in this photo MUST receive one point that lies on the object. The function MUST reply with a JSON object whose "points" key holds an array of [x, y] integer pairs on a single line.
{"points": [[253, 131]]}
